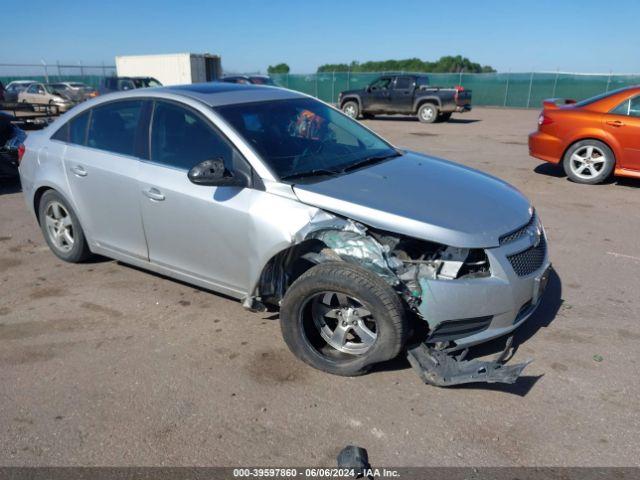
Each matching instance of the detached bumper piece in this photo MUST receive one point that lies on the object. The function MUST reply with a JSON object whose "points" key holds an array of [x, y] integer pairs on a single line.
{"points": [[442, 369]]}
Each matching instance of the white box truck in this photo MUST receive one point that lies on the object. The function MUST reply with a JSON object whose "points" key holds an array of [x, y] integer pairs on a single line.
{"points": [[171, 69]]}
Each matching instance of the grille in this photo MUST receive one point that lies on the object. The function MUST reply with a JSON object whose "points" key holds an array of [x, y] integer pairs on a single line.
{"points": [[517, 234], [530, 260]]}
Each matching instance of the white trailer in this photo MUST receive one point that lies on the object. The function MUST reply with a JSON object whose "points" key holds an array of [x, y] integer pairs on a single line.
{"points": [[171, 69]]}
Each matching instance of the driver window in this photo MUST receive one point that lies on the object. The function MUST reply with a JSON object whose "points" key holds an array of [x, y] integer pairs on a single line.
{"points": [[381, 84], [181, 139]]}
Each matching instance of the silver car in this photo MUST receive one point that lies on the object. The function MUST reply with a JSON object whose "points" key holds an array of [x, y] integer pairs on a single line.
{"points": [[280, 200]]}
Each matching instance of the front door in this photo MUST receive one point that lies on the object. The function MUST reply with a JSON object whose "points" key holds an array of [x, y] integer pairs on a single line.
{"points": [[102, 170], [623, 123], [199, 231], [377, 99]]}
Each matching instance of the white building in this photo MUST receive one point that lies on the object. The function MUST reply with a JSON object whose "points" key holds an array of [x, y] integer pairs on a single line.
{"points": [[171, 69]]}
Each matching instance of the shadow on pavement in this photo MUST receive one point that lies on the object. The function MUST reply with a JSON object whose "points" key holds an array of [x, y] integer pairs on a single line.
{"points": [[402, 118], [550, 170]]}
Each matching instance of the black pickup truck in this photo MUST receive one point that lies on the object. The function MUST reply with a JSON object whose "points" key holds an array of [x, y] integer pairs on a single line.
{"points": [[408, 94]]}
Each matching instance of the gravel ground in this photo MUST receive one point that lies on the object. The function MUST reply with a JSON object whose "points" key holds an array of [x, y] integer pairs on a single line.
{"points": [[104, 364]]}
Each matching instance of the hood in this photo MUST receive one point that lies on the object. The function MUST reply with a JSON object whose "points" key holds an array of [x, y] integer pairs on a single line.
{"points": [[426, 198]]}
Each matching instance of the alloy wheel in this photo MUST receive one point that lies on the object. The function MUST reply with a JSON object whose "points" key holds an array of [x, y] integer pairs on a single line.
{"points": [[59, 226], [587, 162], [343, 322]]}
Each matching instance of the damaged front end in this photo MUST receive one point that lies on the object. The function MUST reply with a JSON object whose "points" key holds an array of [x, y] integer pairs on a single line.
{"points": [[408, 265]]}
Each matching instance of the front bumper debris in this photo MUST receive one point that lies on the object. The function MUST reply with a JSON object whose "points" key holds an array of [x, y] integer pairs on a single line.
{"points": [[442, 369]]}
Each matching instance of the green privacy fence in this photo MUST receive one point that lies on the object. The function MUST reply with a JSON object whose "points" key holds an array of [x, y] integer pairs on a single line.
{"points": [[490, 89], [525, 90]]}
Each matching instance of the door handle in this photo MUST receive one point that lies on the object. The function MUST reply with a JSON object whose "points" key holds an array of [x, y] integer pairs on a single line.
{"points": [[79, 171], [154, 194], [615, 123]]}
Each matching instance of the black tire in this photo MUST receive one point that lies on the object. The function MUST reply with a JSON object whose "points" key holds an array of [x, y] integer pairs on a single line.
{"points": [[304, 339], [428, 113], [351, 109], [79, 250], [444, 116], [602, 158]]}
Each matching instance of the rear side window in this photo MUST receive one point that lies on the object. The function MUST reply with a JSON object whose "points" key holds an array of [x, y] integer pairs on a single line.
{"points": [[78, 129], [180, 138], [74, 131], [113, 127], [630, 107], [403, 83]]}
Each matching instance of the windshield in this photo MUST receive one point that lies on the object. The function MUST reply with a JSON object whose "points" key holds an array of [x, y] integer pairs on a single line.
{"points": [[302, 136]]}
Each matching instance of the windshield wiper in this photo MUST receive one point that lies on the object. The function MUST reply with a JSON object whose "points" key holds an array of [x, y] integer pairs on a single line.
{"points": [[370, 161], [311, 173]]}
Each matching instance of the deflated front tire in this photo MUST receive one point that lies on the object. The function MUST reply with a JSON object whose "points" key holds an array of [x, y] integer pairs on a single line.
{"points": [[342, 319]]}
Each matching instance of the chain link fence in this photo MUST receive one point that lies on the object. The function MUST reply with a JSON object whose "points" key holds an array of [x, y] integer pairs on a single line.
{"points": [[57, 72], [524, 90]]}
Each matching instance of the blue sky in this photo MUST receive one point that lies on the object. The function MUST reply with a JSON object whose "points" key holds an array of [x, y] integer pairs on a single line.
{"points": [[579, 35]]}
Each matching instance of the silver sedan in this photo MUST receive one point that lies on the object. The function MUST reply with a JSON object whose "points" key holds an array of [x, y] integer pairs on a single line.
{"points": [[280, 200]]}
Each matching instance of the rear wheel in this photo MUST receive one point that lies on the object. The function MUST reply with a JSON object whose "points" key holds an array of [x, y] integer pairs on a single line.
{"points": [[351, 109], [342, 319], [589, 162], [61, 228], [428, 113]]}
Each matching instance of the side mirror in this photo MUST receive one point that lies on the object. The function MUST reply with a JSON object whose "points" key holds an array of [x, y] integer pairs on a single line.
{"points": [[214, 174], [368, 89]]}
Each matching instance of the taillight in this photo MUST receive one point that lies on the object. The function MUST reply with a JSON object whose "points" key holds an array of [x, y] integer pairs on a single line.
{"points": [[21, 151], [459, 88], [544, 120]]}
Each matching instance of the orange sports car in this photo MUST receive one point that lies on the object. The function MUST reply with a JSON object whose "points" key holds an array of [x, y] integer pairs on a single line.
{"points": [[592, 138]]}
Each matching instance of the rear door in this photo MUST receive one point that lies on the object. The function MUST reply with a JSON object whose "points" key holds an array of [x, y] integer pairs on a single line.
{"points": [[623, 122], [102, 169], [402, 93], [199, 231]]}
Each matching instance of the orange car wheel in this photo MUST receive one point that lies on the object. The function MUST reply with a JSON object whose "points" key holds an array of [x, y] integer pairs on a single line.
{"points": [[589, 162]]}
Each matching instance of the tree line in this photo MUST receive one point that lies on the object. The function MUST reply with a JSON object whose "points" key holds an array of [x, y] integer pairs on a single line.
{"points": [[446, 64]]}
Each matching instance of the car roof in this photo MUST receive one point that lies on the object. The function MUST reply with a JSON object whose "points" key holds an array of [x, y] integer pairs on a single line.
{"points": [[222, 93]]}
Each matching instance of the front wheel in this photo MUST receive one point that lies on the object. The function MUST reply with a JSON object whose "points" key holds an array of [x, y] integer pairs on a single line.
{"points": [[428, 113], [351, 109], [589, 162], [342, 319]]}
